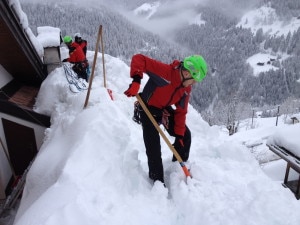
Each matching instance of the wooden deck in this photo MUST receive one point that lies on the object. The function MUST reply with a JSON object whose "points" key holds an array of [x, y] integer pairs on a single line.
{"points": [[25, 96]]}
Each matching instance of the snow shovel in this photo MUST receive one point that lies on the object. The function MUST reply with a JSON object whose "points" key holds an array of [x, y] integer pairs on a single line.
{"points": [[178, 157]]}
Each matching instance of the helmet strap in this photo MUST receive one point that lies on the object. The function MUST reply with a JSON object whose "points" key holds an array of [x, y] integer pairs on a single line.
{"points": [[183, 78]]}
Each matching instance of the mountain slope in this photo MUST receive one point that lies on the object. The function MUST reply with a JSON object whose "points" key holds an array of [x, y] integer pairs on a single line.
{"points": [[229, 37], [220, 34], [121, 38]]}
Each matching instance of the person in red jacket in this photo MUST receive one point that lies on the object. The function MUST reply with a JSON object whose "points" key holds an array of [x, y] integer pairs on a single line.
{"points": [[81, 42], [168, 85], [76, 57]]}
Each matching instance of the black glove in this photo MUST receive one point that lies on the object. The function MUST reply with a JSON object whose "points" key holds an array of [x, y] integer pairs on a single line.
{"points": [[178, 145], [65, 60], [179, 141]]}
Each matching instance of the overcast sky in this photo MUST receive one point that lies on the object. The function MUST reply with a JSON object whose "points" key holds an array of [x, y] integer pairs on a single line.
{"points": [[172, 15]]}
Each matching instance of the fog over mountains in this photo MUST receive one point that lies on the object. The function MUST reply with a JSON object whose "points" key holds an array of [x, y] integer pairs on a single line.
{"points": [[229, 34]]}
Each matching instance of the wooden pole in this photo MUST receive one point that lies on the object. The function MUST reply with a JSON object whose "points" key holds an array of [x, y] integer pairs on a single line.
{"points": [[93, 67], [178, 157], [103, 63]]}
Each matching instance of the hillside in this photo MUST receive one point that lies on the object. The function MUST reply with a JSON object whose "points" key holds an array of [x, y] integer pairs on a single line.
{"points": [[121, 38], [228, 41], [230, 34]]}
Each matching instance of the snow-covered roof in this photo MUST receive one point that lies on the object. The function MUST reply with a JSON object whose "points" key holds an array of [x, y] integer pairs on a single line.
{"points": [[23, 20]]}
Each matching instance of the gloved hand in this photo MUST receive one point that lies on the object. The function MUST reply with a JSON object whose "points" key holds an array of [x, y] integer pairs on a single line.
{"points": [[65, 60], [178, 142], [178, 145], [134, 87]]}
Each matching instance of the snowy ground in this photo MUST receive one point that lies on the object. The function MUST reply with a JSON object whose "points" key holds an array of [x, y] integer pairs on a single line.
{"points": [[92, 167]]}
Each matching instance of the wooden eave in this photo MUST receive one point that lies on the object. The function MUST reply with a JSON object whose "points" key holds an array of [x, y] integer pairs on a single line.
{"points": [[17, 54]]}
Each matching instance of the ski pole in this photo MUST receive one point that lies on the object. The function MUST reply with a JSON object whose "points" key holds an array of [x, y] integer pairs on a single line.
{"points": [[178, 157]]}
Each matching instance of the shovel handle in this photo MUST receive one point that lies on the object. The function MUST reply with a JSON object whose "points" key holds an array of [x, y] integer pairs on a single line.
{"points": [[177, 156]]}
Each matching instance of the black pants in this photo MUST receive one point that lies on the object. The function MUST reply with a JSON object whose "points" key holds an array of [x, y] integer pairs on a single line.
{"points": [[152, 142], [80, 69]]}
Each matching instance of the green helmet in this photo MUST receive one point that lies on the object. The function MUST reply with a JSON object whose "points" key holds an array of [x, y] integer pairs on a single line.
{"points": [[67, 39], [196, 65]]}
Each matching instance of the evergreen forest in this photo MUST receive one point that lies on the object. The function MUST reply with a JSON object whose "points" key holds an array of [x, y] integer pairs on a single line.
{"points": [[230, 91]]}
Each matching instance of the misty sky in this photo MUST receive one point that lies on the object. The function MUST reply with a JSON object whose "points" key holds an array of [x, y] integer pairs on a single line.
{"points": [[171, 15], [174, 14]]}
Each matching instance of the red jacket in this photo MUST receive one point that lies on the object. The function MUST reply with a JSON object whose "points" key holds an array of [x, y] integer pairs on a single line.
{"points": [[164, 87], [83, 45], [76, 54]]}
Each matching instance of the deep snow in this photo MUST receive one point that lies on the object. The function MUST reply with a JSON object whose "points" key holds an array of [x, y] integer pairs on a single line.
{"points": [[92, 166]]}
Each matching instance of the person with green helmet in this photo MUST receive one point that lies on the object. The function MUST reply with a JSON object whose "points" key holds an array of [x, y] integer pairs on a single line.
{"points": [[76, 57], [166, 95], [197, 67], [67, 40]]}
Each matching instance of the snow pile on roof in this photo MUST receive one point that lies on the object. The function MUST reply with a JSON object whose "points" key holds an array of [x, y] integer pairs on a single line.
{"points": [[49, 36], [16, 6], [92, 168]]}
